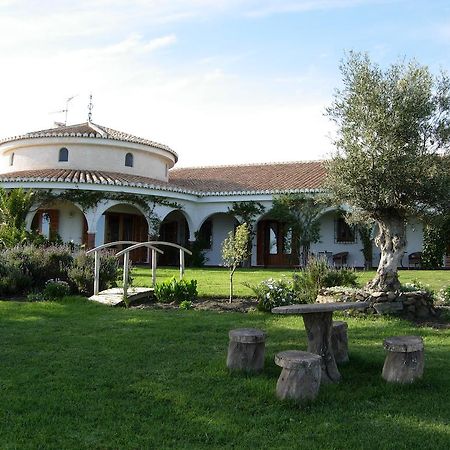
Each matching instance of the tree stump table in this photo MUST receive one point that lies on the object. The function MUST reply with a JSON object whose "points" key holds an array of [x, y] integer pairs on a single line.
{"points": [[300, 378], [405, 359], [339, 341], [246, 350], [318, 318]]}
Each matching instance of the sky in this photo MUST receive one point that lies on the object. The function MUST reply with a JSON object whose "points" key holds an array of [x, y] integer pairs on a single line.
{"points": [[218, 81]]}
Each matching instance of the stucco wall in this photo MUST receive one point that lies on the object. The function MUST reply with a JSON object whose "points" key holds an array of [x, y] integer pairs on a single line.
{"points": [[327, 242], [222, 224], [109, 157], [71, 222]]}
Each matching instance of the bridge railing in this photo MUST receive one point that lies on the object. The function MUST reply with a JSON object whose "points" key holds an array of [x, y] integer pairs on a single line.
{"points": [[126, 259], [96, 252]]}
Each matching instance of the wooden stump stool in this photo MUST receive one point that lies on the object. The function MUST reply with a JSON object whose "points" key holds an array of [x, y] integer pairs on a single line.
{"points": [[339, 341], [404, 361], [246, 350], [300, 377]]}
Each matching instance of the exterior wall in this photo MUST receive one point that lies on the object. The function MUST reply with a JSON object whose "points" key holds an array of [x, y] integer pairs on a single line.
{"points": [[196, 210], [71, 224], [106, 156], [327, 242], [222, 224]]}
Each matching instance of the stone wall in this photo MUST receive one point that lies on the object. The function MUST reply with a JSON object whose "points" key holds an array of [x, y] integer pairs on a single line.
{"points": [[411, 305]]}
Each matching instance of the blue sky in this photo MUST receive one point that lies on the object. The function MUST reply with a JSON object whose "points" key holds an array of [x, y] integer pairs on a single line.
{"points": [[220, 81]]}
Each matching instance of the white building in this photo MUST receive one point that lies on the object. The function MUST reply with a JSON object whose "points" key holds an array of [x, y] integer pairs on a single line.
{"points": [[91, 158]]}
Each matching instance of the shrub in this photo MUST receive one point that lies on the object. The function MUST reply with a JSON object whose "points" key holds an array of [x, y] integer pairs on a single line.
{"points": [[444, 296], [177, 291], [56, 289], [340, 277], [81, 273], [317, 275], [23, 268], [35, 297], [418, 286], [304, 287], [271, 293], [186, 304]]}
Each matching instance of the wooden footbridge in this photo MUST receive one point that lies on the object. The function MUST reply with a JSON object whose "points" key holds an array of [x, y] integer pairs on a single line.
{"points": [[128, 294]]}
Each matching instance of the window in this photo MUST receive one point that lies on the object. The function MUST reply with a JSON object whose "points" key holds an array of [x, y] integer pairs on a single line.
{"points": [[11, 159], [63, 155], [343, 232], [273, 239], [129, 160]]}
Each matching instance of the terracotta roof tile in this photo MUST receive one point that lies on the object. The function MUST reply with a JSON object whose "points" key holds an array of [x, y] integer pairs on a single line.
{"points": [[89, 130], [253, 177], [260, 178]]}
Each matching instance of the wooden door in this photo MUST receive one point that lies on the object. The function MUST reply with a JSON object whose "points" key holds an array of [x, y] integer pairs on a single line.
{"points": [[274, 244]]}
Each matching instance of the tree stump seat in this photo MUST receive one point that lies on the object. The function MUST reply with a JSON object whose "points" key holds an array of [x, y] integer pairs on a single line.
{"points": [[405, 359], [246, 350], [339, 341], [300, 376]]}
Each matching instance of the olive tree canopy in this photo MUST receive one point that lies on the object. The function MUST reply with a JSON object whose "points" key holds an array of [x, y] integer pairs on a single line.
{"points": [[392, 160]]}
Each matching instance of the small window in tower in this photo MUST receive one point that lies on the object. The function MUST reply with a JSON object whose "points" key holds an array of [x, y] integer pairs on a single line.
{"points": [[11, 159], [129, 160], [63, 155]]}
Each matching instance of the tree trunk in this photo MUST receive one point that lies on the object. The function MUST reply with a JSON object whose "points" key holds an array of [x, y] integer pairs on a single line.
{"points": [[391, 241], [231, 285], [304, 254]]}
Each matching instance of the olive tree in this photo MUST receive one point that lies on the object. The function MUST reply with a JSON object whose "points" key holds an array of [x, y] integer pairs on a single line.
{"points": [[391, 161], [235, 251]]}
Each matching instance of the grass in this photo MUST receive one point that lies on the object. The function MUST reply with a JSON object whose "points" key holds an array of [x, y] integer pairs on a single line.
{"points": [[76, 375], [213, 282]]}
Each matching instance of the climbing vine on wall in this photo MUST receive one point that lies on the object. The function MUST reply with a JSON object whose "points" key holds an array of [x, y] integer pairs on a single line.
{"points": [[90, 199]]}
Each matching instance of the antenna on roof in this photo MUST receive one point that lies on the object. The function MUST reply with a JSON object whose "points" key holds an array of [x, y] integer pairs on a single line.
{"points": [[90, 108], [65, 111]]}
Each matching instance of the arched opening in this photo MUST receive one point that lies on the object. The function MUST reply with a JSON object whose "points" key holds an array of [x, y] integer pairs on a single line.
{"points": [[63, 155], [211, 235], [129, 160], [174, 228], [63, 221], [125, 222]]}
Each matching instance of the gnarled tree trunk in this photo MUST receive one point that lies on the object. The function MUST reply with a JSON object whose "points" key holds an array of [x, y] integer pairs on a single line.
{"points": [[391, 241]]}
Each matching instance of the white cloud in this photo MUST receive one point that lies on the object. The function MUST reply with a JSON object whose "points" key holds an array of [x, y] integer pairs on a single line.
{"points": [[205, 110]]}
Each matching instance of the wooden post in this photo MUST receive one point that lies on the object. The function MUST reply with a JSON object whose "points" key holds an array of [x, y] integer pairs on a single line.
{"points": [[181, 264], [96, 272], [153, 267], [126, 259]]}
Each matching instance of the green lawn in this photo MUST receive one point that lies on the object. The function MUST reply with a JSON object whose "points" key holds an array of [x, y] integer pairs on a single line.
{"points": [[213, 282], [76, 375]]}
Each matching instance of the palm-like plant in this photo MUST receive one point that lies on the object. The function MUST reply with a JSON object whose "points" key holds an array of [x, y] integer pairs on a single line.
{"points": [[14, 207]]}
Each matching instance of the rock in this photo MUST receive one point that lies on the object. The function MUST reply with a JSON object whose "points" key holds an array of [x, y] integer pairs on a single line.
{"points": [[324, 299], [422, 312], [378, 294], [409, 301], [388, 307], [391, 296]]}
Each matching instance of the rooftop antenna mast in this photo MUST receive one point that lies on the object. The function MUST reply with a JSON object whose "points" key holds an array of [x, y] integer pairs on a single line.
{"points": [[65, 110], [90, 108]]}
